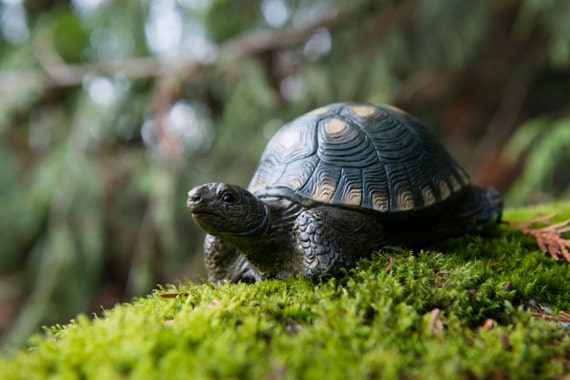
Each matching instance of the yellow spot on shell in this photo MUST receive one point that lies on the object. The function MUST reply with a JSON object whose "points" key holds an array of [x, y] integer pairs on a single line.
{"points": [[290, 138], [353, 197], [334, 126], [404, 200], [324, 192], [319, 111], [454, 183], [365, 111], [444, 189], [428, 196], [379, 203], [394, 109], [464, 177]]}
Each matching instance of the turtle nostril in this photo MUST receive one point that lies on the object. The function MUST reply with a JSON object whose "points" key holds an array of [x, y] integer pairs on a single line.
{"points": [[194, 196]]}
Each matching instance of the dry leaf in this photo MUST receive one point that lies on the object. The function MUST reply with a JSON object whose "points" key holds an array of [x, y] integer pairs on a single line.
{"points": [[548, 238], [435, 323]]}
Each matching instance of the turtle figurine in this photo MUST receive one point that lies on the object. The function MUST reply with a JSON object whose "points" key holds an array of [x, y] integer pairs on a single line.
{"points": [[333, 186]]}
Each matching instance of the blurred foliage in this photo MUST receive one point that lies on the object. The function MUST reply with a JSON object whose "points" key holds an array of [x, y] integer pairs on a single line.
{"points": [[547, 166], [228, 18], [110, 111]]}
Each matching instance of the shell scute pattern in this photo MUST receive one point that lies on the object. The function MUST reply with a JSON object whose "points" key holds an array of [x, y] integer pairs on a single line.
{"points": [[323, 183], [346, 147], [374, 180], [298, 172], [358, 155], [350, 185]]}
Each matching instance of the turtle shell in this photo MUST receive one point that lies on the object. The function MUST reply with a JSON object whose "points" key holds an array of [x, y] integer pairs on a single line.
{"points": [[368, 156]]}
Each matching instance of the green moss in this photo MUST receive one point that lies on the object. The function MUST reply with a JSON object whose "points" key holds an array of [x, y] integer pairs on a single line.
{"points": [[379, 320]]}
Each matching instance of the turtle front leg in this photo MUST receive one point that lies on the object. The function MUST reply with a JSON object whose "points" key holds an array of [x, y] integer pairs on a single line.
{"points": [[224, 262], [328, 239]]}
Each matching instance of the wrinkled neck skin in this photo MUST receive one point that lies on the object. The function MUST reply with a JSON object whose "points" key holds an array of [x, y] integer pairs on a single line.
{"points": [[268, 246]]}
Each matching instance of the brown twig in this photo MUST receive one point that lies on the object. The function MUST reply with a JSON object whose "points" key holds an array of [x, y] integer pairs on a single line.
{"points": [[173, 295], [59, 74], [389, 266], [561, 317], [539, 311]]}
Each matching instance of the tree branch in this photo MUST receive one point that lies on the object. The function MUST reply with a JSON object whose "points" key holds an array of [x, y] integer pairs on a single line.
{"points": [[63, 75]]}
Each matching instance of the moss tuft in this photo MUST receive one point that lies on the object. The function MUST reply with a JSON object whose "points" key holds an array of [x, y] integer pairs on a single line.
{"points": [[396, 315]]}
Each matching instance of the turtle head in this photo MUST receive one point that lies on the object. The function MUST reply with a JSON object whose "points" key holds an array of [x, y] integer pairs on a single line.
{"points": [[225, 210]]}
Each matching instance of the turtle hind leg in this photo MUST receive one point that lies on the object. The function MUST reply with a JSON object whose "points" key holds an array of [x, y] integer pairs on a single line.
{"points": [[470, 212], [480, 206]]}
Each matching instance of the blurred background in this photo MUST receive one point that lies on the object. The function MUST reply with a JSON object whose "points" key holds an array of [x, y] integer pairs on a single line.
{"points": [[111, 110]]}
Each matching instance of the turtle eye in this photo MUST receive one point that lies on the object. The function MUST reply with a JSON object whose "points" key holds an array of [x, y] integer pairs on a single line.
{"points": [[228, 197]]}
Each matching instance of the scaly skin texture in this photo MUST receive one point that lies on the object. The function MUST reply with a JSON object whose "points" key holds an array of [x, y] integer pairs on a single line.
{"points": [[279, 238], [224, 262], [328, 239], [259, 231], [315, 241]]}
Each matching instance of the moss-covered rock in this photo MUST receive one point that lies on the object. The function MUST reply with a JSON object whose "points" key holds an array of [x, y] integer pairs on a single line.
{"points": [[458, 310]]}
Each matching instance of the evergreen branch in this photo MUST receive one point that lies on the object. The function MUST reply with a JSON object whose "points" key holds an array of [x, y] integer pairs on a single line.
{"points": [[549, 239]]}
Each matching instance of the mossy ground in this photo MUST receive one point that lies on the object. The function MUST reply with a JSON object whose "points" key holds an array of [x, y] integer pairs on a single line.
{"points": [[397, 315]]}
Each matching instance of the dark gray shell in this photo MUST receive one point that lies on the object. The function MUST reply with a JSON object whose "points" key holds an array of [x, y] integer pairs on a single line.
{"points": [[358, 155]]}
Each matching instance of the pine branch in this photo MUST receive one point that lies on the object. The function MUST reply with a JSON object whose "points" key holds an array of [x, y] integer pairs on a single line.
{"points": [[549, 238]]}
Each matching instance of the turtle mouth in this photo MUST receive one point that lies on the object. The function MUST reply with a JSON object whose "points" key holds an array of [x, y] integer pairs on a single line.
{"points": [[208, 221], [201, 213], [204, 214], [199, 207]]}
